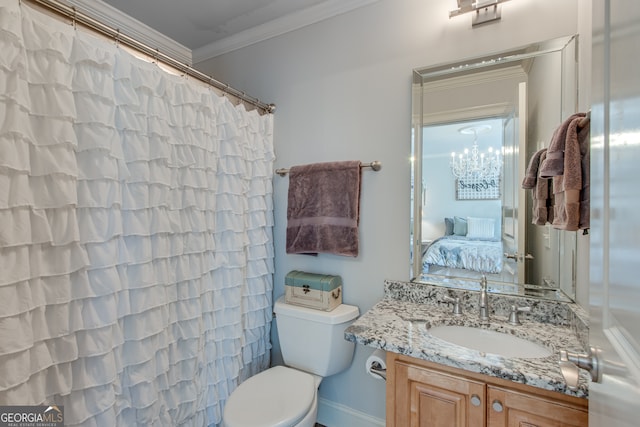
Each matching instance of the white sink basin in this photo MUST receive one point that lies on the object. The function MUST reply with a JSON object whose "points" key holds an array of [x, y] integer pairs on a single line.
{"points": [[488, 341]]}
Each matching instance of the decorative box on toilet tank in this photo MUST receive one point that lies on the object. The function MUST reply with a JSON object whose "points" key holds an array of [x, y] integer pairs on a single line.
{"points": [[318, 291]]}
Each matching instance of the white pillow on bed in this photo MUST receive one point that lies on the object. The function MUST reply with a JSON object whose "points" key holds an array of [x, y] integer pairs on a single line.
{"points": [[481, 228]]}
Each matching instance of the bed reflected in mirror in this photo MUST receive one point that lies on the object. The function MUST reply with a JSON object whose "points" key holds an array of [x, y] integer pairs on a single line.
{"points": [[475, 126]]}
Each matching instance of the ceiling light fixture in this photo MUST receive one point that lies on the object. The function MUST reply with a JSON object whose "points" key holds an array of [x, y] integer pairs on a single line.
{"points": [[484, 10], [472, 163]]}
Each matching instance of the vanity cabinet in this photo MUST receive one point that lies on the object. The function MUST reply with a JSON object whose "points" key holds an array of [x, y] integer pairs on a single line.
{"points": [[421, 394], [425, 397], [509, 407]]}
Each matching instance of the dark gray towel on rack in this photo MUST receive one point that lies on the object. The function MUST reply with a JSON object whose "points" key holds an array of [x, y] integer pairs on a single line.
{"points": [[323, 208]]}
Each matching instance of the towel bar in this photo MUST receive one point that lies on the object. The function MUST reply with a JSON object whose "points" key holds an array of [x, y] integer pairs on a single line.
{"points": [[375, 165], [585, 120]]}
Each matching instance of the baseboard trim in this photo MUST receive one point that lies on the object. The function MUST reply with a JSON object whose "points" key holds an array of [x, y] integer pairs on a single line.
{"points": [[332, 414]]}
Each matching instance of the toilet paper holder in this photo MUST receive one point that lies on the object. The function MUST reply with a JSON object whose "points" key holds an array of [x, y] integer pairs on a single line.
{"points": [[377, 369], [376, 365]]}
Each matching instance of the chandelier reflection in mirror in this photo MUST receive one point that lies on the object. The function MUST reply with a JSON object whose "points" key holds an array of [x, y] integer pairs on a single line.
{"points": [[472, 163]]}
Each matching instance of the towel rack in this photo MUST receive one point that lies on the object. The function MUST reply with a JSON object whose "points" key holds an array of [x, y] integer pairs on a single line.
{"points": [[375, 165], [585, 120]]}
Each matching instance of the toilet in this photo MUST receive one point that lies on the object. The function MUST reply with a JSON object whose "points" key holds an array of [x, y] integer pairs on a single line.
{"points": [[313, 347]]}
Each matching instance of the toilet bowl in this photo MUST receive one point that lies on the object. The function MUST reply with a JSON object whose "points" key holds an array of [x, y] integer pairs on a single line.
{"points": [[277, 397], [313, 347]]}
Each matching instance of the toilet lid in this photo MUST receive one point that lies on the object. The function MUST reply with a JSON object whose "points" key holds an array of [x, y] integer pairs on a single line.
{"points": [[277, 397]]}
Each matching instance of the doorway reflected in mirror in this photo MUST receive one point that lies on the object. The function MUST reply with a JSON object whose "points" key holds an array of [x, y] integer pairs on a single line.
{"points": [[462, 214]]}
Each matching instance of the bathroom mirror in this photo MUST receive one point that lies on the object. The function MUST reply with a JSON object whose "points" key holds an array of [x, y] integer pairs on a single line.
{"points": [[475, 125]]}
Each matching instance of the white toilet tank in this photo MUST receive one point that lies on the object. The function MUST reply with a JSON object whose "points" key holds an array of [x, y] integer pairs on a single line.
{"points": [[313, 340]]}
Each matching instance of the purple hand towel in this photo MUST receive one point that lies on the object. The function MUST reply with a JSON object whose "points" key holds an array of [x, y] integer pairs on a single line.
{"points": [[531, 174], [567, 163], [323, 208], [555, 162], [543, 199], [542, 195]]}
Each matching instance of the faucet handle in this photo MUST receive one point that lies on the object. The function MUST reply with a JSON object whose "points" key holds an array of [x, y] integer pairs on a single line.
{"points": [[514, 319], [457, 311]]}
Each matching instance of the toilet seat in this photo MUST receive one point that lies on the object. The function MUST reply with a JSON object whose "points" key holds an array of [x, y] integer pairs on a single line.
{"points": [[277, 397]]}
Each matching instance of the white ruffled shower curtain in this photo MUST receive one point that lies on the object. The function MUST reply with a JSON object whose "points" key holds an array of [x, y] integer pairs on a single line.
{"points": [[136, 252]]}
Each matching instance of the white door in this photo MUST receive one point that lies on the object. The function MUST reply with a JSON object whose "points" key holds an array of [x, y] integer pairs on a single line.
{"points": [[615, 213], [513, 218]]}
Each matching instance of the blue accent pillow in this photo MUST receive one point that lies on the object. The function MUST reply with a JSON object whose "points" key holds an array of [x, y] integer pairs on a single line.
{"points": [[448, 226], [459, 226]]}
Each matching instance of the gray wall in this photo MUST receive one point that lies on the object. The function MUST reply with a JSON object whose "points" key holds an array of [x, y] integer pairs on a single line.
{"points": [[343, 91]]}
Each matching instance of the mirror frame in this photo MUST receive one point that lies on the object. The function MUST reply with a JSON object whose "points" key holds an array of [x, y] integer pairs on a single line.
{"points": [[566, 286]]}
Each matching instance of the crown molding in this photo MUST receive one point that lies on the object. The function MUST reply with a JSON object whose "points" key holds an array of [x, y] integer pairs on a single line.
{"points": [[277, 27], [475, 78], [109, 15], [501, 109]]}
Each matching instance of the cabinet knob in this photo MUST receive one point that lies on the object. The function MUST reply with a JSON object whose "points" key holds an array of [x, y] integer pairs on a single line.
{"points": [[497, 406], [475, 400]]}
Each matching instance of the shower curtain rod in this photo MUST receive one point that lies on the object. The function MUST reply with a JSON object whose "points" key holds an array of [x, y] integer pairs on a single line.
{"points": [[94, 24]]}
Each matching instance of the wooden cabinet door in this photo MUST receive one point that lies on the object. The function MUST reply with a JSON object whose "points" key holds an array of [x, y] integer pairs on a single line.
{"points": [[509, 408], [424, 397]]}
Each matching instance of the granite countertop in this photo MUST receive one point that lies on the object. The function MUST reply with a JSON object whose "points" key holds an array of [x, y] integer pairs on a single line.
{"points": [[399, 323]]}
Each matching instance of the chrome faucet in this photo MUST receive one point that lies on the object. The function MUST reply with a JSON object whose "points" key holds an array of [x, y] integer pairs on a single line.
{"points": [[484, 300]]}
